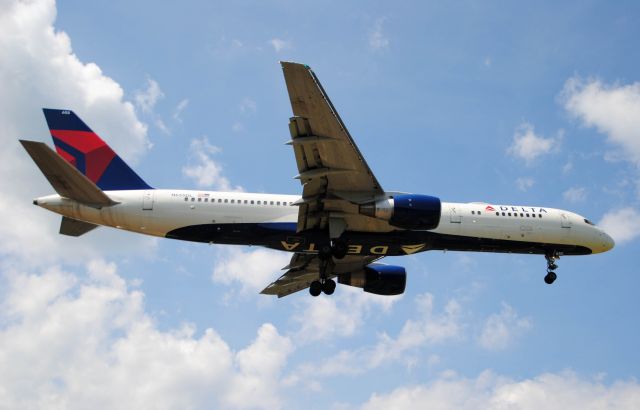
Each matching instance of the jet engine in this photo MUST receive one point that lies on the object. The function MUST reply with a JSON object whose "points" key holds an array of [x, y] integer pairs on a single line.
{"points": [[378, 279], [407, 211]]}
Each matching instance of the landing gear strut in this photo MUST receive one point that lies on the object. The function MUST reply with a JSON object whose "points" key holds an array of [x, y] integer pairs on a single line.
{"points": [[551, 276], [336, 249]]}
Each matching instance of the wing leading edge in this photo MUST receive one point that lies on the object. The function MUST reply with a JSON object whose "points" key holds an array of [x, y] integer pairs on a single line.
{"points": [[331, 168], [335, 179]]}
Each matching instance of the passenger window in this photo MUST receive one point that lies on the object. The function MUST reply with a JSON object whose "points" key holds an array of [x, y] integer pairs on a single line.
{"points": [[278, 203], [271, 203], [527, 215], [252, 202], [233, 201], [473, 212], [193, 199], [259, 203], [540, 215], [503, 214], [186, 199], [226, 201], [479, 212], [219, 200], [509, 213], [206, 200], [497, 213], [246, 202]]}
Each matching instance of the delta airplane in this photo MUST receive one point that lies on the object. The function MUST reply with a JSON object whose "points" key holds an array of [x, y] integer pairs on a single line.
{"points": [[339, 228]]}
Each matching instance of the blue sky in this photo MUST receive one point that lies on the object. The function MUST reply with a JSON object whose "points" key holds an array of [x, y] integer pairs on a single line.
{"points": [[534, 103]]}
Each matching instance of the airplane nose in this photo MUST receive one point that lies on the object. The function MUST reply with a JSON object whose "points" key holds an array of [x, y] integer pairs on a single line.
{"points": [[608, 242]]}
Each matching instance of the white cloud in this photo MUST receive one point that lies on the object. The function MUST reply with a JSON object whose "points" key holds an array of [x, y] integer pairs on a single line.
{"points": [[529, 146], [247, 105], [279, 44], [205, 172], [501, 329], [182, 105], [575, 194], [252, 269], [622, 224], [326, 318], [431, 328], [612, 109], [40, 69], [377, 39], [146, 99], [563, 390], [237, 127], [87, 342], [524, 183], [159, 123]]}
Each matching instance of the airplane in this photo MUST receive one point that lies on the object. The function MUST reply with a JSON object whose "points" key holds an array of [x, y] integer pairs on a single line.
{"points": [[339, 228]]}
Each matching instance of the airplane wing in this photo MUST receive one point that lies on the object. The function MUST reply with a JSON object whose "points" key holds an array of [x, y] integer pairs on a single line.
{"points": [[304, 268], [334, 175]]}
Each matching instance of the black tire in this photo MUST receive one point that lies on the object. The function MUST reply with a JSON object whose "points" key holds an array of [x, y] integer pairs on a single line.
{"points": [[329, 287], [315, 288], [550, 277]]}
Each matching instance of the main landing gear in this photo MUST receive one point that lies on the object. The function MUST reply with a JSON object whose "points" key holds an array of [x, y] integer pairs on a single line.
{"points": [[336, 249], [551, 276], [328, 286]]}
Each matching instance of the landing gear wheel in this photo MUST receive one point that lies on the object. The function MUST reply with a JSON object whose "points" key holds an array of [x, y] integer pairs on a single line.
{"points": [[550, 277], [315, 288], [329, 286], [339, 249], [551, 258]]}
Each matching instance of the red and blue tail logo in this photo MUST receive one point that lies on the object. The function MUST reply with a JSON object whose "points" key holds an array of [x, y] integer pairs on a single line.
{"points": [[85, 150]]}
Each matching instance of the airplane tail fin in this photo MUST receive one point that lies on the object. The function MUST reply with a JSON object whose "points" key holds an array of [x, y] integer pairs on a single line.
{"points": [[85, 150]]}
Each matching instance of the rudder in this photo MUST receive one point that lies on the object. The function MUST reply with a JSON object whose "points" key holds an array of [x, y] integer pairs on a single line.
{"points": [[84, 149]]}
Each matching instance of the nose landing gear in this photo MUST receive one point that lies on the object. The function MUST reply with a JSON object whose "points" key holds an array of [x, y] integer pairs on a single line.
{"points": [[551, 276]]}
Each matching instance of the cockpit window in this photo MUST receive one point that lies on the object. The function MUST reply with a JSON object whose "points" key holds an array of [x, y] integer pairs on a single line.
{"points": [[589, 222]]}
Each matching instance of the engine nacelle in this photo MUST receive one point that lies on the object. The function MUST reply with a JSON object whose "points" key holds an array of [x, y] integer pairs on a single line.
{"points": [[407, 211], [378, 279]]}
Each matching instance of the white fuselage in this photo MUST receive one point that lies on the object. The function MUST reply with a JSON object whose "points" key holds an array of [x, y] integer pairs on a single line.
{"points": [[161, 211]]}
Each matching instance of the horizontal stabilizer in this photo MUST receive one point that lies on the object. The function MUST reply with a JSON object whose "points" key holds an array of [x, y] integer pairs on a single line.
{"points": [[64, 177], [73, 227]]}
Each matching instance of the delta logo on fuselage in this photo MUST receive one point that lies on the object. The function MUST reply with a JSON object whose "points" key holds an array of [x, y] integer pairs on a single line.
{"points": [[507, 208]]}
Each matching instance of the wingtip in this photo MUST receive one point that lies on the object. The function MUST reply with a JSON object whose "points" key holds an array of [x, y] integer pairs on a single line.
{"points": [[293, 63]]}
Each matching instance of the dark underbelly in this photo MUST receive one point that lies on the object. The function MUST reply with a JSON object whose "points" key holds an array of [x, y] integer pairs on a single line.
{"points": [[283, 236]]}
